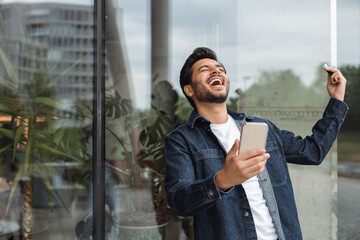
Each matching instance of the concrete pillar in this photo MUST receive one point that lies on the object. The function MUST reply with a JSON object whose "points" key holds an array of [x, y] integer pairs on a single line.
{"points": [[160, 41]]}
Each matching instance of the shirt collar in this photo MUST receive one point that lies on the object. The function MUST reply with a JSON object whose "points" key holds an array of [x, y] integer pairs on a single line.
{"points": [[195, 117]]}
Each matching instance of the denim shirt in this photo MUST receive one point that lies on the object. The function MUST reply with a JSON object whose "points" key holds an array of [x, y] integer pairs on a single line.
{"points": [[194, 155]]}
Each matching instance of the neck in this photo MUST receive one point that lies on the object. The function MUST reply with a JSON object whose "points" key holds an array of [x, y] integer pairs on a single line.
{"points": [[216, 113]]}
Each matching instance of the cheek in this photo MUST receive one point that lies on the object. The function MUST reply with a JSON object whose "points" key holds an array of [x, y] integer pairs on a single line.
{"points": [[202, 76]]}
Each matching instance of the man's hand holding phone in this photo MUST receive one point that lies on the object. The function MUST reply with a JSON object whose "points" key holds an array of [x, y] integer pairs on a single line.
{"points": [[249, 162], [240, 167]]}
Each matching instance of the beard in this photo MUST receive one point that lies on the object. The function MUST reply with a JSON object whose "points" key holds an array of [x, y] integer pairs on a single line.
{"points": [[204, 95]]}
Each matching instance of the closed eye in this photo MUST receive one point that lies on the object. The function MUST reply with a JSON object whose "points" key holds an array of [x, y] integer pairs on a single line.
{"points": [[203, 68], [221, 68]]}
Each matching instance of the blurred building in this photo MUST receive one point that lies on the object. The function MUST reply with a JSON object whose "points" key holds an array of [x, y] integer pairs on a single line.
{"points": [[55, 37]]}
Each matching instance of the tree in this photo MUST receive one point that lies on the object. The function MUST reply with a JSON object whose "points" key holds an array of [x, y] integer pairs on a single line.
{"points": [[352, 96], [278, 89]]}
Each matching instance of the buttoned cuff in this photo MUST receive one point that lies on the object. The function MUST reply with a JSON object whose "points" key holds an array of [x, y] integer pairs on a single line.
{"points": [[219, 191]]}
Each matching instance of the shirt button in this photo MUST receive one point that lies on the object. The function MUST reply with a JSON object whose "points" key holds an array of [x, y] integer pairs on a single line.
{"points": [[211, 193], [246, 214]]}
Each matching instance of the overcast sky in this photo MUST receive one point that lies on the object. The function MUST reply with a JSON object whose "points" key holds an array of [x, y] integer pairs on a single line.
{"points": [[248, 36]]}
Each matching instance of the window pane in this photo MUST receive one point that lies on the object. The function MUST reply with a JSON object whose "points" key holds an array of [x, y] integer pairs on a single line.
{"points": [[273, 52], [45, 122], [135, 198], [349, 138], [281, 53]]}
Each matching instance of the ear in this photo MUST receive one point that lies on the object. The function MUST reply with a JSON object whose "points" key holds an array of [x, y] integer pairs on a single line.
{"points": [[188, 90]]}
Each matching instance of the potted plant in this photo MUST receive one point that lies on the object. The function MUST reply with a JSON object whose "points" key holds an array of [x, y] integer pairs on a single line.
{"points": [[140, 143]]}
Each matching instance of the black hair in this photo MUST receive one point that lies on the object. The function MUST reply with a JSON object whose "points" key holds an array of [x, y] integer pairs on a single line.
{"points": [[187, 71]]}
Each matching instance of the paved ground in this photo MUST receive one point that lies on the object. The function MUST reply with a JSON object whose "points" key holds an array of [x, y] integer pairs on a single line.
{"points": [[348, 208]]}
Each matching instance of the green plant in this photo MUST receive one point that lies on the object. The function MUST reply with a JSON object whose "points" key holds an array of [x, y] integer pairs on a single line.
{"points": [[40, 129], [152, 141], [141, 142]]}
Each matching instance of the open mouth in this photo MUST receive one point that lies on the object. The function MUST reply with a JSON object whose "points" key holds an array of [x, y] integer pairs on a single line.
{"points": [[216, 82]]}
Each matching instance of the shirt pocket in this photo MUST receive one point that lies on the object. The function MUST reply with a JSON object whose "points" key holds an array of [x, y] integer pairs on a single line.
{"points": [[208, 162], [275, 164]]}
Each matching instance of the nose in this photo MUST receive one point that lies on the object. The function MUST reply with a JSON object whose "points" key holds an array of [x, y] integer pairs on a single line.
{"points": [[215, 70]]}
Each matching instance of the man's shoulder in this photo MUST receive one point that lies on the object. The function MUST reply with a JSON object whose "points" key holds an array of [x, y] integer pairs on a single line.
{"points": [[243, 116], [179, 130], [258, 119]]}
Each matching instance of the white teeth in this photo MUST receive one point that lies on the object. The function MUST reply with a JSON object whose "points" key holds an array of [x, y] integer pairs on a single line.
{"points": [[216, 80]]}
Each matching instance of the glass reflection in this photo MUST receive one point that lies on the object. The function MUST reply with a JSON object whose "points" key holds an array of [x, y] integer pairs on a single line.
{"points": [[45, 120], [135, 197], [280, 56], [275, 59]]}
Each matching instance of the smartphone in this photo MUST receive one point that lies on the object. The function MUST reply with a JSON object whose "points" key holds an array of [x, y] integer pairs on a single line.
{"points": [[330, 73], [326, 66], [253, 135]]}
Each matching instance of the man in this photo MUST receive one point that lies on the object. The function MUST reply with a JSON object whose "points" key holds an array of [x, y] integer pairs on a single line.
{"points": [[231, 195]]}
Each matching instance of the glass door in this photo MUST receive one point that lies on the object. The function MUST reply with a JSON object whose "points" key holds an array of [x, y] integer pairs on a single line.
{"points": [[46, 76]]}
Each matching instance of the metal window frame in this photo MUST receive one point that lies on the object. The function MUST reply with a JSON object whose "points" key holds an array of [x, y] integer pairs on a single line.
{"points": [[99, 122]]}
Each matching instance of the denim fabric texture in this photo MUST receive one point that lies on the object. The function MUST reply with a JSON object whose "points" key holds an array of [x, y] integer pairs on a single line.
{"points": [[194, 155]]}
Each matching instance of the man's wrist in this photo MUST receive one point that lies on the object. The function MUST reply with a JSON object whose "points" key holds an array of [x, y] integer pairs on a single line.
{"points": [[221, 182], [340, 98]]}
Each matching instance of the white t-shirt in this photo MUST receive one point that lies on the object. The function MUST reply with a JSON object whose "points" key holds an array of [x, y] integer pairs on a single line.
{"points": [[227, 133]]}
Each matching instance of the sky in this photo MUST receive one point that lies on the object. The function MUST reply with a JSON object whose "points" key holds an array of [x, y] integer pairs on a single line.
{"points": [[248, 36]]}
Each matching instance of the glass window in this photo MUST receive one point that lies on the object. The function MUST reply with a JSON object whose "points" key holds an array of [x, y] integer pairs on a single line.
{"points": [[280, 57], [273, 53], [45, 129], [348, 13], [134, 194]]}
